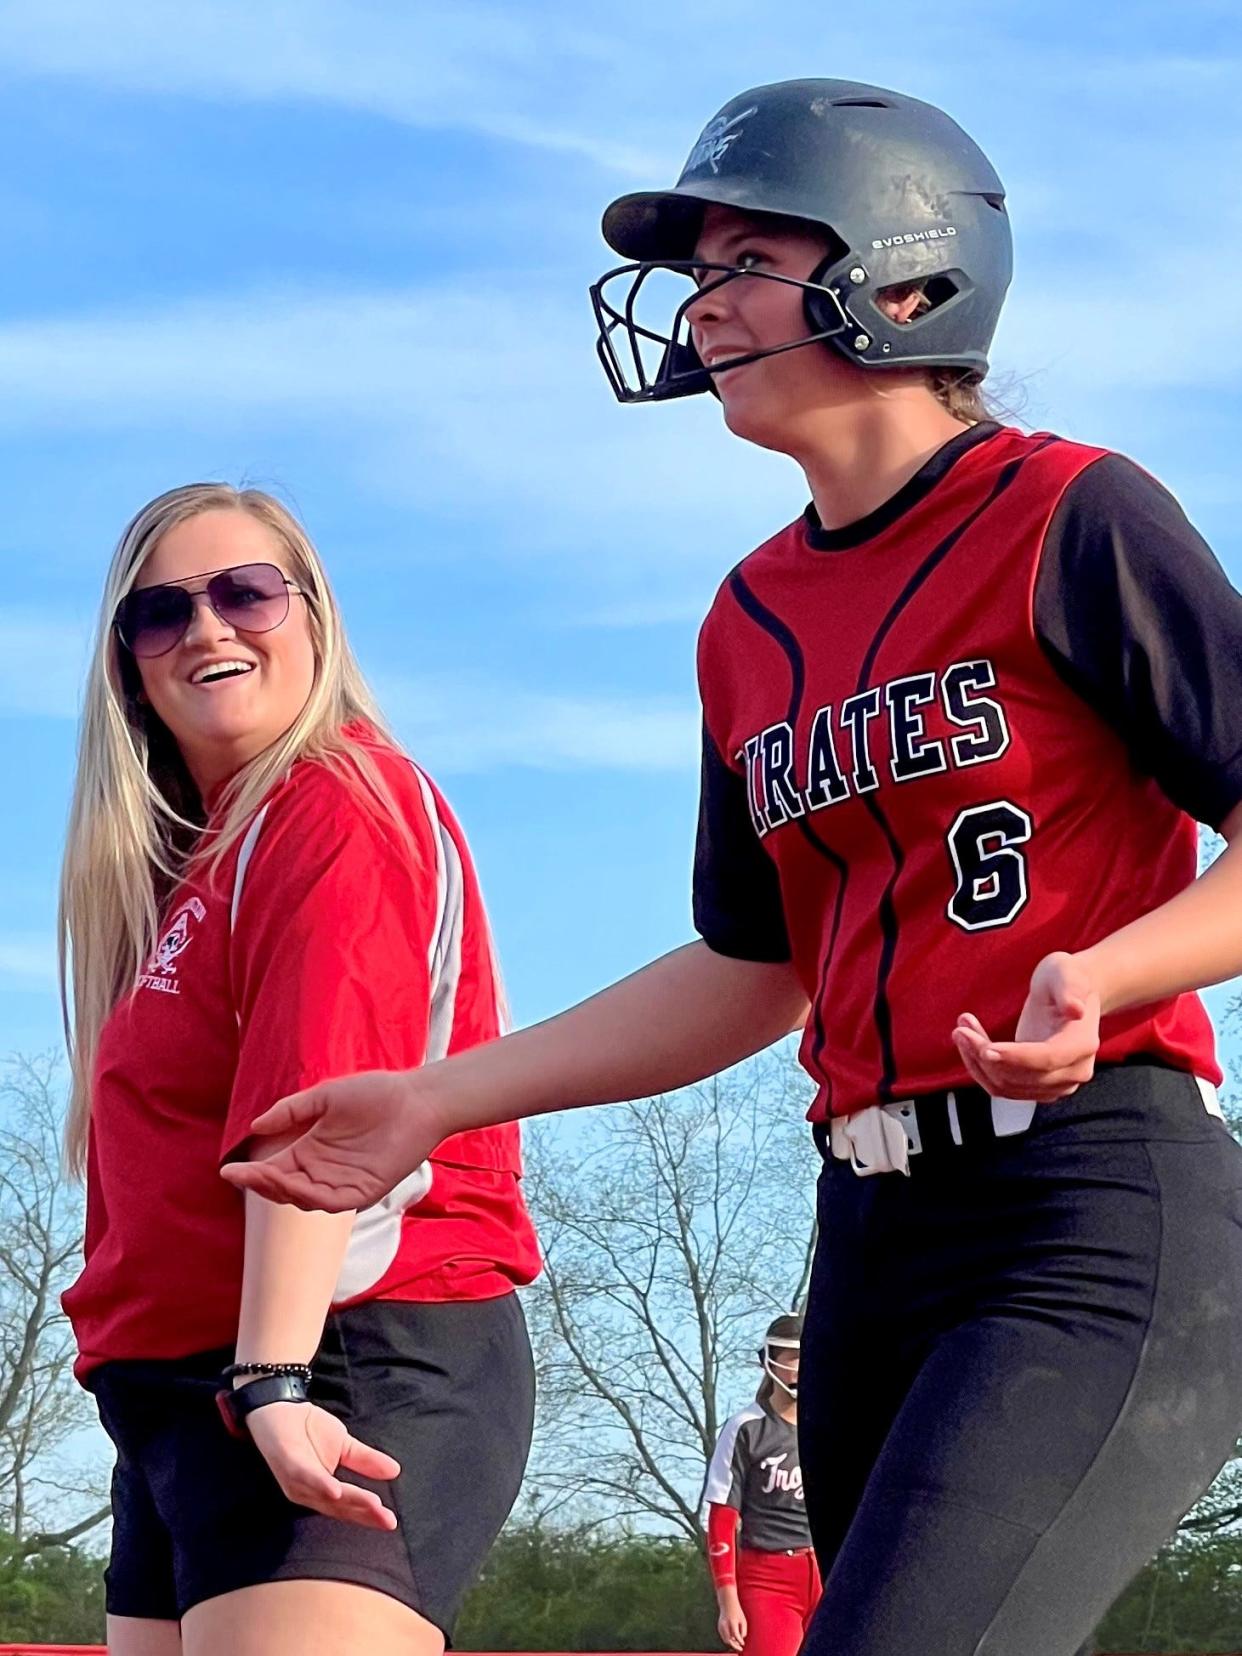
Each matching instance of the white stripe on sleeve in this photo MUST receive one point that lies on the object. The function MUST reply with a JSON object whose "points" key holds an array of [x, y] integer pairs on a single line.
{"points": [[721, 1476]]}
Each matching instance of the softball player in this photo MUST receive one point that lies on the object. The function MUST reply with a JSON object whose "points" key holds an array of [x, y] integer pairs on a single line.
{"points": [[259, 889], [960, 719], [758, 1541]]}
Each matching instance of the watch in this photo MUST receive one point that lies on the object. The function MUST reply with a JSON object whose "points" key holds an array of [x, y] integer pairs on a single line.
{"points": [[235, 1405]]}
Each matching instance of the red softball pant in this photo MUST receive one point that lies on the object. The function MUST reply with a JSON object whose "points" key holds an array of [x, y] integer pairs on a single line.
{"points": [[779, 1592]]}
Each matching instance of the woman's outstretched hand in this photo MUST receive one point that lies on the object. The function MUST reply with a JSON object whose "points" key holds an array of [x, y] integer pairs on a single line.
{"points": [[357, 1137], [1057, 1037], [305, 1446]]}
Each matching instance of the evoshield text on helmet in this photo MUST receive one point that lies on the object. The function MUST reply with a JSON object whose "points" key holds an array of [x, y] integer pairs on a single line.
{"points": [[905, 196]]}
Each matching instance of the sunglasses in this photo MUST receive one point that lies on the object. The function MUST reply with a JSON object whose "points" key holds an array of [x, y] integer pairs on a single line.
{"points": [[253, 598]]}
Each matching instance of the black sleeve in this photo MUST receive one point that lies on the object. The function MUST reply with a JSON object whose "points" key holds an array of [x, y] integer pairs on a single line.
{"points": [[1140, 620], [737, 897]]}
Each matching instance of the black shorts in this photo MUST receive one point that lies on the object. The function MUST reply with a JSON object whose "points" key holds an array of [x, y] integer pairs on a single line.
{"points": [[447, 1389]]}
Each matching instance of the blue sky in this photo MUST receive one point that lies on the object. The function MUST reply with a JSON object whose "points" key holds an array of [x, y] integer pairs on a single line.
{"points": [[342, 250]]}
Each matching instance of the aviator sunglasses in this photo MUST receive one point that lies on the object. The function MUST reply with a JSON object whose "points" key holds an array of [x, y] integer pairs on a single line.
{"points": [[253, 598]]}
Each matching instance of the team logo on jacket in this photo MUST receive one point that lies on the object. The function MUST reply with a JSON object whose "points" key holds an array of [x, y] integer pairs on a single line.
{"points": [[161, 972]]}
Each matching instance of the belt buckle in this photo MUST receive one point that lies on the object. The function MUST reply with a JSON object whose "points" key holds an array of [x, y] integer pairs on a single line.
{"points": [[872, 1141]]}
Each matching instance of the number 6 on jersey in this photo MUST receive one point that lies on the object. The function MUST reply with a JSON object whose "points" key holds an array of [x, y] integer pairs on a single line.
{"points": [[991, 874]]}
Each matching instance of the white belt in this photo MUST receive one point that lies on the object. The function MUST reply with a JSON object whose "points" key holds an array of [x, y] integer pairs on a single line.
{"points": [[883, 1137]]}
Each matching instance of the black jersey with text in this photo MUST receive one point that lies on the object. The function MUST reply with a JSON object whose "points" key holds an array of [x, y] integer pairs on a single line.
{"points": [[973, 728], [756, 1470]]}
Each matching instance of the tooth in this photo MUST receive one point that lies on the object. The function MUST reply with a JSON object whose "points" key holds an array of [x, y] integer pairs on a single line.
{"points": [[224, 669]]}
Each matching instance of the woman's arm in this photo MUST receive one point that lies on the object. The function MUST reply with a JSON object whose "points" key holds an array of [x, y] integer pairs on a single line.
{"points": [[1192, 941], [291, 1266], [292, 1263], [687, 1015], [329, 973]]}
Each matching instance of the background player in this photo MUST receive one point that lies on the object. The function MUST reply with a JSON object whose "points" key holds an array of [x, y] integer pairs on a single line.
{"points": [[959, 718], [759, 1544], [260, 888]]}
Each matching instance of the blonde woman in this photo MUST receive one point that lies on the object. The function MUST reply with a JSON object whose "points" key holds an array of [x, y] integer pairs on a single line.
{"points": [[260, 890]]}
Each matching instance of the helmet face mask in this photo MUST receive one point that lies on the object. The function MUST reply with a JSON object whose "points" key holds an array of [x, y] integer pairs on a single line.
{"points": [[907, 198], [771, 1353], [653, 365]]}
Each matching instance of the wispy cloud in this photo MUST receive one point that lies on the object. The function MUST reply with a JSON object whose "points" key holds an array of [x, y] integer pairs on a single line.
{"points": [[483, 406], [475, 67], [458, 722], [489, 405], [473, 725], [629, 96]]}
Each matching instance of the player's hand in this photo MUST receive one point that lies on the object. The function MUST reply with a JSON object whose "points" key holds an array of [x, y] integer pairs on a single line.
{"points": [[731, 1623], [305, 1447], [357, 1137], [1057, 1038]]}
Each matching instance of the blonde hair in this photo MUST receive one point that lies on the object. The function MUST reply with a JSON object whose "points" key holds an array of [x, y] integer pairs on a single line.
{"points": [[961, 395], [955, 389], [136, 823]]}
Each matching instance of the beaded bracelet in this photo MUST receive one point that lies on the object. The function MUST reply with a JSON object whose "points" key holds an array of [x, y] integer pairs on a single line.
{"points": [[302, 1370]]}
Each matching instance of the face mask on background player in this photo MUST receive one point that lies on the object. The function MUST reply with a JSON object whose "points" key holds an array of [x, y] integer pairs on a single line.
{"points": [[906, 196], [772, 1352]]}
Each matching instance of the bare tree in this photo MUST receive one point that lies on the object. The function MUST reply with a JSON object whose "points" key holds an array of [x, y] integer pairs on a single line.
{"points": [[41, 1406], [673, 1230]]}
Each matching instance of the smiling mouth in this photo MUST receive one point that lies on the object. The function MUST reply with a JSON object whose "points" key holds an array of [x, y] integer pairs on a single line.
{"points": [[221, 671]]}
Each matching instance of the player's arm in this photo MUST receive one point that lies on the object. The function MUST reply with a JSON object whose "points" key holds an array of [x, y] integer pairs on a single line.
{"points": [[685, 1016], [723, 1490], [1139, 618], [1190, 942], [722, 1528]]}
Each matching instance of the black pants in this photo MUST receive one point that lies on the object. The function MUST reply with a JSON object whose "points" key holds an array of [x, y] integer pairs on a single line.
{"points": [[1020, 1367]]}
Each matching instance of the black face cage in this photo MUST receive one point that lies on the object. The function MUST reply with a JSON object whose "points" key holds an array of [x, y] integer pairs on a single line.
{"points": [[678, 371]]}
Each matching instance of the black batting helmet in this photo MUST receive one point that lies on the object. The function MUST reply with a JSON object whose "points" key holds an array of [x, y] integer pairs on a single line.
{"points": [[905, 194]]}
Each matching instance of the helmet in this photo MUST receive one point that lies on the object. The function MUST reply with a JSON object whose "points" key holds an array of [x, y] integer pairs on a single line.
{"points": [[783, 1339], [906, 196]]}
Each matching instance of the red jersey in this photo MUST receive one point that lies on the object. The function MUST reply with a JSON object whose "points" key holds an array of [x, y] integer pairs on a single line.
{"points": [[974, 728], [327, 944]]}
